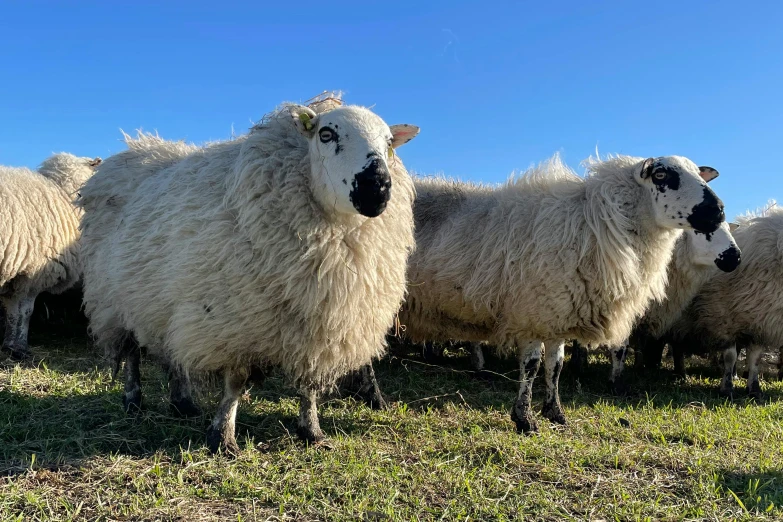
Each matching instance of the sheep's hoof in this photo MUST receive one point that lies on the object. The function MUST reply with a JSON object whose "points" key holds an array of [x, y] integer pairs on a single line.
{"points": [[755, 393], [310, 436], [184, 408], [377, 402], [525, 422], [554, 413], [727, 393], [619, 387], [132, 403], [20, 354], [216, 441]]}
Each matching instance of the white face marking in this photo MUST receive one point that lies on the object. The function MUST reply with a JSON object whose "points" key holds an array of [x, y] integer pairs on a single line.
{"points": [[680, 197], [350, 142], [706, 249]]}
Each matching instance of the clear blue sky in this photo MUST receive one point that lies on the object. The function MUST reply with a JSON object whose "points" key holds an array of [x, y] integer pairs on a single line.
{"points": [[495, 86]]}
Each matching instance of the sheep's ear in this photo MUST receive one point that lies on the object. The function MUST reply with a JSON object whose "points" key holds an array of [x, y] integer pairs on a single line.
{"points": [[708, 173], [402, 134], [304, 119], [94, 163], [733, 227], [647, 167]]}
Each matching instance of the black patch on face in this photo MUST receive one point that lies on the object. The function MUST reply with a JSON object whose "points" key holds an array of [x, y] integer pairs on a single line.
{"points": [[707, 215], [670, 178], [707, 235], [345, 181], [207, 308], [371, 189], [729, 259]]}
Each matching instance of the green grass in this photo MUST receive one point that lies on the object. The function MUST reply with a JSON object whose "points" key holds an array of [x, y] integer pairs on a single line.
{"points": [[445, 450]]}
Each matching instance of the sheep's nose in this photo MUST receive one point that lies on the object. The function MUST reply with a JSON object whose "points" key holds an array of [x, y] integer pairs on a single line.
{"points": [[371, 189], [729, 259]]}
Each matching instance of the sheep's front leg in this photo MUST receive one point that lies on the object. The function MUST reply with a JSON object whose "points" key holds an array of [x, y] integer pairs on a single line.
{"points": [[780, 363], [309, 428], [131, 398], [678, 354], [729, 365], [529, 360], [617, 383], [754, 388], [181, 400], [18, 310], [553, 364], [222, 431]]}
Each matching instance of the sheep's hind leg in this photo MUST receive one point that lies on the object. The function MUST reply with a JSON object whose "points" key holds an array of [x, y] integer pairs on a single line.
{"points": [[729, 366], [131, 398], [18, 310], [222, 431], [309, 428], [617, 383], [553, 364], [369, 390], [529, 361], [754, 388], [181, 400]]}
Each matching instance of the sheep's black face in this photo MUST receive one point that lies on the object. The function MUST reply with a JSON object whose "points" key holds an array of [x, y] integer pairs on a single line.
{"points": [[371, 189], [681, 197]]}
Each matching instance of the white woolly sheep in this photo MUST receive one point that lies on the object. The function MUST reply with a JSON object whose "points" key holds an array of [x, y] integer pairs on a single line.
{"points": [[744, 308], [550, 256], [286, 246], [39, 249], [697, 257]]}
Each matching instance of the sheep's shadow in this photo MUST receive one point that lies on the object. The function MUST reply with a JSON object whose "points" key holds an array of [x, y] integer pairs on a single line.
{"points": [[405, 377], [755, 490], [63, 424]]}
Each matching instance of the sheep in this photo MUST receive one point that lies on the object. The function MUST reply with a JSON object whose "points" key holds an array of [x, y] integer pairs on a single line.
{"points": [[39, 245], [696, 258], [743, 308], [284, 247], [550, 256]]}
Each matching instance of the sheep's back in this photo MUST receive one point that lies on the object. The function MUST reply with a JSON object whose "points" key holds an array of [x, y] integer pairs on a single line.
{"points": [[39, 231]]}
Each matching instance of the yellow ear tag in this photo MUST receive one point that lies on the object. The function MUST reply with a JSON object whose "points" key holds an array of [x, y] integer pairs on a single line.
{"points": [[305, 119], [391, 152]]}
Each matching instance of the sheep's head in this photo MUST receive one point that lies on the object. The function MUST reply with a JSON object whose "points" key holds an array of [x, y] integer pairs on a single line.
{"points": [[350, 150], [68, 171], [680, 195], [717, 248]]}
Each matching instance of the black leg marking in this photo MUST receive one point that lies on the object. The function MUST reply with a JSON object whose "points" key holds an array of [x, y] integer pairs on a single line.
{"points": [[529, 361], [131, 399], [553, 364], [222, 431]]}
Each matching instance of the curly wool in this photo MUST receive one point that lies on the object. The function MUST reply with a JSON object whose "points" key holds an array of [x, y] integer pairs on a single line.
{"points": [[39, 249], [221, 257], [745, 305], [549, 255]]}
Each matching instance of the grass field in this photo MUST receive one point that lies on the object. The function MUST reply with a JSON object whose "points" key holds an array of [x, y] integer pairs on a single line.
{"points": [[445, 450]]}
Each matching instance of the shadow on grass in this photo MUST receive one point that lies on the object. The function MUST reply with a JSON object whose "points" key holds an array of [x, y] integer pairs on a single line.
{"points": [[753, 492], [404, 376]]}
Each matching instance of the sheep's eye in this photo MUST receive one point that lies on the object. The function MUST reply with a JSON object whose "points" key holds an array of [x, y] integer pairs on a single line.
{"points": [[660, 176], [326, 135]]}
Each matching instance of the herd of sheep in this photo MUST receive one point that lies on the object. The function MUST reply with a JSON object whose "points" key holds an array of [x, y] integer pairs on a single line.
{"points": [[301, 244]]}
